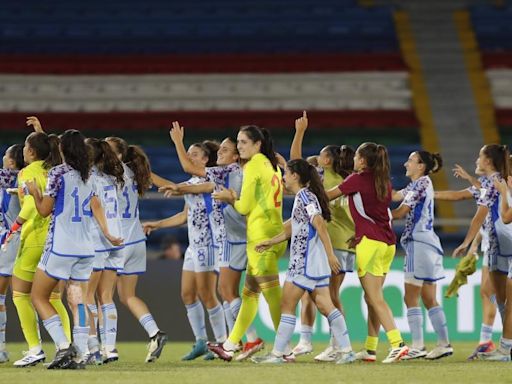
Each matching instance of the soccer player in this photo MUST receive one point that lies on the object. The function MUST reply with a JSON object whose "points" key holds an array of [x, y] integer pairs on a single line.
{"points": [[424, 254], [487, 291], [107, 176], [227, 223], [9, 209], [137, 180], [369, 193], [198, 278], [70, 200], [334, 164], [312, 259], [260, 200], [493, 162], [41, 152]]}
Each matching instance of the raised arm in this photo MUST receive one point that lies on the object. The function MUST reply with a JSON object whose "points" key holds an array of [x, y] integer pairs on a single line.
{"points": [[35, 123], [463, 194], [177, 133], [461, 173], [182, 189], [301, 124], [159, 181], [169, 222]]}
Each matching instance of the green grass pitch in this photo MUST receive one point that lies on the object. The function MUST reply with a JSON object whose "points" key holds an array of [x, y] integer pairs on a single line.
{"points": [[170, 369]]}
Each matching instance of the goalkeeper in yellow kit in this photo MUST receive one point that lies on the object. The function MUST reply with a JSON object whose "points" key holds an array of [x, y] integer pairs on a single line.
{"points": [[260, 200]]}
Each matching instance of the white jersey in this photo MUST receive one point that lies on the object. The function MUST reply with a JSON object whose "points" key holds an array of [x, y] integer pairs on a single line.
{"points": [[9, 204], [200, 233], [307, 252], [105, 187], [69, 234], [128, 198], [419, 223], [229, 176]]}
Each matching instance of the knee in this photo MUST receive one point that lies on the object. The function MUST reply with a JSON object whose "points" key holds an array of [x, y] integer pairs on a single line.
{"points": [[208, 298], [188, 297], [124, 299]]}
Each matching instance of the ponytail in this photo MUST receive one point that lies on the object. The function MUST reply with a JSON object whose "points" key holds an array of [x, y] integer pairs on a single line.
{"points": [[308, 176], [377, 160], [75, 152], [255, 134], [46, 148], [138, 162], [120, 146], [106, 160], [499, 156], [433, 161]]}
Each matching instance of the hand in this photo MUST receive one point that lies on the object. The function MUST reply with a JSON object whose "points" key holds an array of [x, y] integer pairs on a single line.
{"points": [[226, 195], [501, 186], [301, 124], [31, 187], [461, 173], [34, 122], [114, 240], [263, 246], [170, 190], [460, 250], [149, 227], [351, 242], [177, 132], [335, 264]]}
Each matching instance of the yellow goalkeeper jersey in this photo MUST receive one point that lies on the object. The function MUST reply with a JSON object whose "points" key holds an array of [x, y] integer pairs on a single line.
{"points": [[261, 199]]}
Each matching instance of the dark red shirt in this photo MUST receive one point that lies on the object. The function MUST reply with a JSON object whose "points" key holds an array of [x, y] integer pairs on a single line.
{"points": [[372, 217]]}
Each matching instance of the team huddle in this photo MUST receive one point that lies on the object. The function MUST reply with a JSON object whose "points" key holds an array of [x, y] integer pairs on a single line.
{"points": [[70, 224]]}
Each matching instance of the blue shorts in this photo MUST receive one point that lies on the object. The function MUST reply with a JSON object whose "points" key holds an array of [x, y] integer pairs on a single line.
{"points": [[134, 262], [200, 259], [234, 256], [423, 263], [8, 256], [346, 259]]}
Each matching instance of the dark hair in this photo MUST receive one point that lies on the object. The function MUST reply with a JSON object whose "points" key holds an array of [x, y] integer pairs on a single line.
{"points": [[255, 134], [342, 159], [138, 162], [120, 145], [46, 148], [499, 155], [16, 153], [308, 176], [377, 160], [74, 150], [433, 161], [232, 140], [209, 148], [104, 157]]}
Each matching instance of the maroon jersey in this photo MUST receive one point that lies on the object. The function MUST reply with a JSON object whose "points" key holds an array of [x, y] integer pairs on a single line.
{"points": [[372, 217]]}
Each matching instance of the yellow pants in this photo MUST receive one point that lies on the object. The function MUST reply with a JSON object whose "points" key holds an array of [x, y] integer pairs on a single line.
{"points": [[26, 262], [374, 257]]}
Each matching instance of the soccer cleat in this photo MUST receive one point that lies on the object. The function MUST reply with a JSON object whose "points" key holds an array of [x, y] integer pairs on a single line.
{"points": [[496, 355], [110, 356], [4, 356], [30, 360], [94, 358], [415, 353], [486, 347], [63, 358], [198, 349], [155, 346], [209, 356], [273, 359], [303, 348], [346, 357], [250, 348], [439, 352], [395, 354], [220, 352], [328, 355], [366, 356]]}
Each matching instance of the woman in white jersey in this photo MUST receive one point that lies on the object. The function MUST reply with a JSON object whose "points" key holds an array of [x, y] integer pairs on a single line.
{"points": [[70, 199], [9, 209], [312, 260], [227, 222], [424, 254], [107, 177], [137, 180], [198, 278], [334, 164]]}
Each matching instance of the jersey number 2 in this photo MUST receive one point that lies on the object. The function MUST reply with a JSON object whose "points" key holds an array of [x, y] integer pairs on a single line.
{"points": [[277, 193]]}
